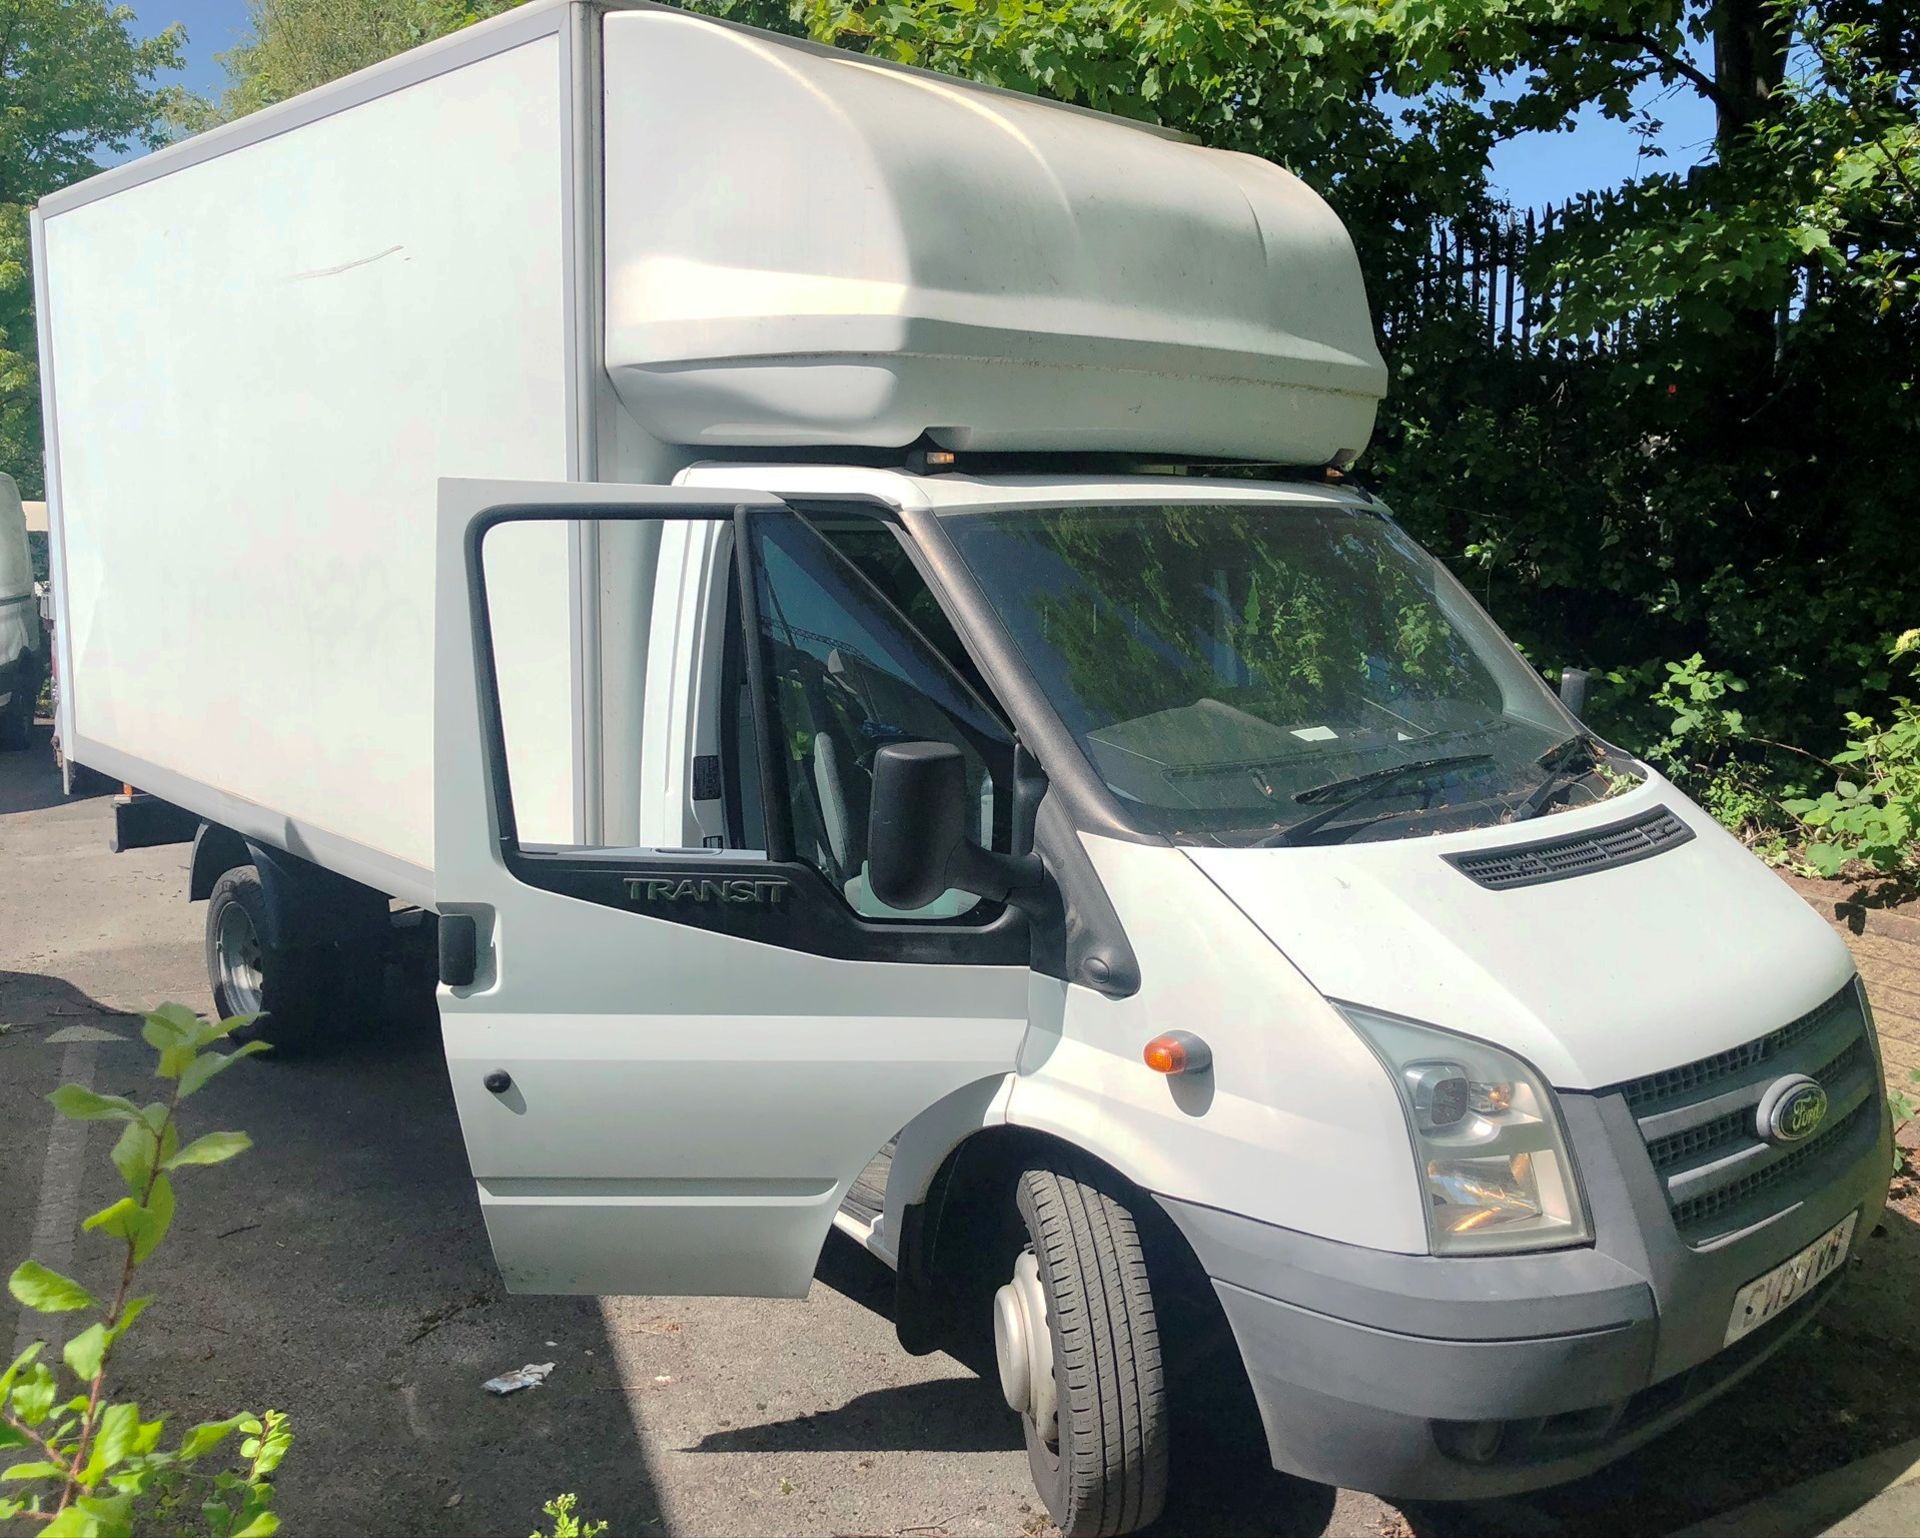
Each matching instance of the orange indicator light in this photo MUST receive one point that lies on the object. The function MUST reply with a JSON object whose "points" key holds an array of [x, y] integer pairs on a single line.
{"points": [[1177, 1052]]}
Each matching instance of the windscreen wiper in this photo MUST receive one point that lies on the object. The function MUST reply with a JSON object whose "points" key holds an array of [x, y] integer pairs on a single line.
{"points": [[1558, 762], [1363, 787]]}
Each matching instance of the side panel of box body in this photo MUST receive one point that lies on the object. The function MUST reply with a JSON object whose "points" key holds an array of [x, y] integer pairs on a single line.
{"points": [[264, 362]]}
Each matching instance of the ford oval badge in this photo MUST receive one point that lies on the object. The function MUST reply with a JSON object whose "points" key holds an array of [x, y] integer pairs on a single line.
{"points": [[1792, 1110]]}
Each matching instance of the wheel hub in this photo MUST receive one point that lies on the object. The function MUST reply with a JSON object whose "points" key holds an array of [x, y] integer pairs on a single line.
{"points": [[1023, 1347], [238, 949]]}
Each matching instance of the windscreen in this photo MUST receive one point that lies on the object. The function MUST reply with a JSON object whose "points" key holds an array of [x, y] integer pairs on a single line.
{"points": [[1233, 671]]}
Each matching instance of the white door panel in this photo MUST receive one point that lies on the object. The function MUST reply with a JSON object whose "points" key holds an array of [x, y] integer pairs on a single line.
{"points": [[686, 1105]]}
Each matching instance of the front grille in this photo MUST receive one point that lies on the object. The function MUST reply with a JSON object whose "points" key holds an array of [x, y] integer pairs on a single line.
{"points": [[1577, 854], [1700, 1121], [1697, 1210], [1734, 1127], [1695, 1142], [1698, 1077]]}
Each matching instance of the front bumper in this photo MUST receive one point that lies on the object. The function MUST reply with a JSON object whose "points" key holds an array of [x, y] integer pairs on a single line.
{"points": [[1474, 1377]]}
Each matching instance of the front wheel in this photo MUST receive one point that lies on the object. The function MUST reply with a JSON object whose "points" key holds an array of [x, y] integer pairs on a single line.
{"points": [[1078, 1350]]}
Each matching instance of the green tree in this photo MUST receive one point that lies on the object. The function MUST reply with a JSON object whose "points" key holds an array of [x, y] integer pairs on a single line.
{"points": [[295, 45], [1724, 466], [1727, 464], [75, 84]]}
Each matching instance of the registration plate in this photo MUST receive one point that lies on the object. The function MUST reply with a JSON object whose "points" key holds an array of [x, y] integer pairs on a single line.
{"points": [[1765, 1297]]}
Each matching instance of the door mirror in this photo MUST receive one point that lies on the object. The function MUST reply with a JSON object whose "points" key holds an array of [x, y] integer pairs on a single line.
{"points": [[917, 841], [1573, 689]]}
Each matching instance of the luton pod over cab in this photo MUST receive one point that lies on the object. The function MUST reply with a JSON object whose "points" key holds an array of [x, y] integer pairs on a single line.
{"points": [[816, 583]]}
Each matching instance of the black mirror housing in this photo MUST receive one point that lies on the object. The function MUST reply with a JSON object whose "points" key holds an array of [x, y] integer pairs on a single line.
{"points": [[1573, 689], [917, 821], [917, 838]]}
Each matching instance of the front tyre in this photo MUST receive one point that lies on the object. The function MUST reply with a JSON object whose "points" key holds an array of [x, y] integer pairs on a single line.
{"points": [[1078, 1348]]}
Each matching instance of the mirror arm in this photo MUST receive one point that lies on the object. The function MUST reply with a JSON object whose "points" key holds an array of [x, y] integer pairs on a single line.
{"points": [[1029, 790], [1016, 879]]}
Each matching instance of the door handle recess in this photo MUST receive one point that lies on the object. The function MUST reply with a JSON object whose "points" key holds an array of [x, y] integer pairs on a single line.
{"points": [[459, 949]]}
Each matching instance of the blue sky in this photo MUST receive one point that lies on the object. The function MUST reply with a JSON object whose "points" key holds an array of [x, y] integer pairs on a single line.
{"points": [[1538, 169], [213, 26]]}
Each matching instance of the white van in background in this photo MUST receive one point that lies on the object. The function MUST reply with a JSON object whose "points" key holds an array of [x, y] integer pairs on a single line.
{"points": [[23, 649], [825, 580]]}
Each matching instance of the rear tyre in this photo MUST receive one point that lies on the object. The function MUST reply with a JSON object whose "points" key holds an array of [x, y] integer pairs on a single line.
{"points": [[304, 995], [16, 723], [1078, 1347]]}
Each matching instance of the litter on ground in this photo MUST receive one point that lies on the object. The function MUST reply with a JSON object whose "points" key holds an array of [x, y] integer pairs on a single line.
{"points": [[531, 1376]]}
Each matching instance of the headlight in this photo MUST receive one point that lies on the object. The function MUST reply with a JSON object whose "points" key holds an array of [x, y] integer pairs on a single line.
{"points": [[1492, 1153]]}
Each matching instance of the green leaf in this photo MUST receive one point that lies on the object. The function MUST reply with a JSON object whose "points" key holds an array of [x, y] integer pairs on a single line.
{"points": [[142, 1226], [48, 1292], [175, 1061], [19, 1362], [159, 1212], [78, 1103], [134, 1309], [229, 1025], [202, 1439], [33, 1395], [1826, 858], [85, 1352], [276, 1442], [210, 1148], [178, 1018], [112, 1443], [207, 1064], [122, 1220], [133, 1155], [75, 1523], [262, 1526], [40, 1470], [115, 1513], [163, 1033]]}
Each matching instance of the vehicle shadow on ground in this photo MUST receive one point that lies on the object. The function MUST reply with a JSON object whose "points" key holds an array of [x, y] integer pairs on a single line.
{"points": [[32, 1000], [33, 792], [948, 1415], [1222, 1484], [1846, 1387], [339, 1271]]}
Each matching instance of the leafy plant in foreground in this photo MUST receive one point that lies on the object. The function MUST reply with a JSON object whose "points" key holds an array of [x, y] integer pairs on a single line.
{"points": [[91, 1467], [1872, 813], [565, 1523]]}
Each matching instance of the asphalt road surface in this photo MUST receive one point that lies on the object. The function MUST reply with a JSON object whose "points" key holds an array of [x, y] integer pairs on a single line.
{"points": [[340, 1272]]}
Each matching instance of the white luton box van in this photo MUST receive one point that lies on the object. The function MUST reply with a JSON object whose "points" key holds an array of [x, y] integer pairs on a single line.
{"points": [[761, 544]]}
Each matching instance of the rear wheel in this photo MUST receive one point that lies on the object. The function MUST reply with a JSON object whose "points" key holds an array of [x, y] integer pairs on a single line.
{"points": [[16, 722], [1078, 1349], [303, 994]]}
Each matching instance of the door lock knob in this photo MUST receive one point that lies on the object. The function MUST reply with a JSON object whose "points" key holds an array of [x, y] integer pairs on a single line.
{"points": [[498, 1082]]}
